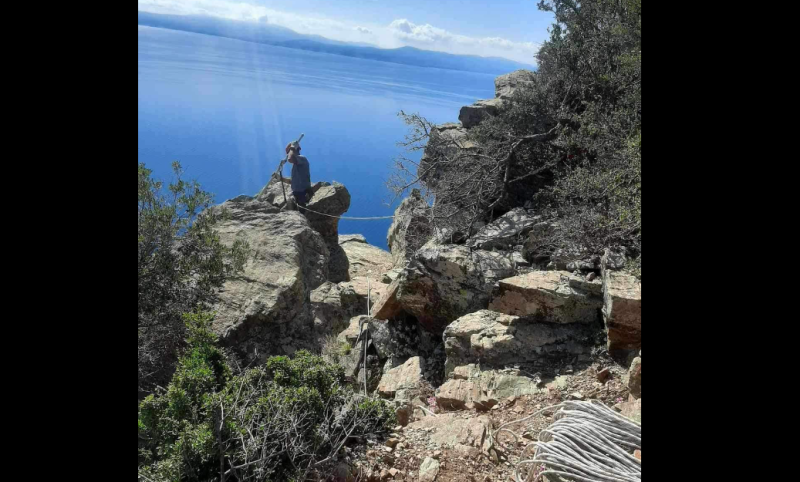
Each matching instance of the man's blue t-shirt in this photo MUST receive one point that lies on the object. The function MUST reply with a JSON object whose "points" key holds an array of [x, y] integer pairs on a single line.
{"points": [[301, 174]]}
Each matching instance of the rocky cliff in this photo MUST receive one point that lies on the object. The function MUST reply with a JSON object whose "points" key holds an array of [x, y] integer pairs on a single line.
{"points": [[469, 324]]}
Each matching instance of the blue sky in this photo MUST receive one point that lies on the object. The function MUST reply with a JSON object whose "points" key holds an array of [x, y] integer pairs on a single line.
{"points": [[499, 28]]}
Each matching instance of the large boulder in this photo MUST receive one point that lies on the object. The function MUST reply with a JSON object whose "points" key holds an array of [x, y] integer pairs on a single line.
{"points": [[622, 310], [405, 381], [482, 389], [472, 115], [328, 202], [443, 283], [365, 259], [505, 85], [410, 228], [495, 339], [264, 310], [273, 193], [550, 296], [367, 291], [333, 306], [450, 430], [387, 306], [445, 140], [505, 232]]}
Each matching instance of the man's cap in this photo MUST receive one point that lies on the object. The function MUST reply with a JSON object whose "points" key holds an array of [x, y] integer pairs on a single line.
{"points": [[289, 145]]}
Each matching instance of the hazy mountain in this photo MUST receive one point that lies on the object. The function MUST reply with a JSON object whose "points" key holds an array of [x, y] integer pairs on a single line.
{"points": [[275, 35]]}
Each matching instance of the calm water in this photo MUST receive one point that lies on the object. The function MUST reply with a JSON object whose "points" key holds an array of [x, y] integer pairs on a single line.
{"points": [[226, 109]]}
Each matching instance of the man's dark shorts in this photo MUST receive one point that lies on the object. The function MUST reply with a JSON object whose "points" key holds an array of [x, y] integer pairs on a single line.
{"points": [[300, 197]]}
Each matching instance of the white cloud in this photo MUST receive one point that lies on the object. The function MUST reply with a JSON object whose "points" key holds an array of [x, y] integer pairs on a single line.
{"points": [[432, 37], [399, 33]]}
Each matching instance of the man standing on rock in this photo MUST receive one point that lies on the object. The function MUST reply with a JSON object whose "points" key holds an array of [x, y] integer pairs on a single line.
{"points": [[301, 174]]}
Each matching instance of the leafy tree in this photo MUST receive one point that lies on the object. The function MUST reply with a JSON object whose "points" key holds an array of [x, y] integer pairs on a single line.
{"points": [[567, 144], [180, 263]]}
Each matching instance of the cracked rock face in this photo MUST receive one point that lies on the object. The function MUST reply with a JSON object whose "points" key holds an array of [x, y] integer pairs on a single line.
{"points": [[495, 339], [505, 85], [622, 309], [330, 200], [409, 230], [266, 310], [550, 296], [443, 283]]}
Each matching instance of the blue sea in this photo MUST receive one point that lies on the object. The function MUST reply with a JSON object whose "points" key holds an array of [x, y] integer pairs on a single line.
{"points": [[227, 108]]}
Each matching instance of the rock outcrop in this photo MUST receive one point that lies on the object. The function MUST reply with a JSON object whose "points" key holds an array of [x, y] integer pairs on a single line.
{"points": [[505, 232], [273, 193], [364, 259], [622, 310], [403, 382], [449, 430], [550, 296], [494, 340], [330, 200], [409, 230], [265, 310], [443, 283], [472, 387], [367, 290], [472, 115], [332, 306], [505, 85]]}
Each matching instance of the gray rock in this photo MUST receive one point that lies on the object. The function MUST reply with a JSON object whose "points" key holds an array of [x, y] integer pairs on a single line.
{"points": [[273, 193], [506, 231], [409, 230], [495, 339], [622, 310], [358, 238], [366, 290], [406, 377], [450, 430], [353, 330], [505, 85], [615, 260], [330, 200], [364, 259], [443, 283], [635, 377], [550, 296], [333, 306], [265, 311], [472, 115], [391, 275], [428, 470], [445, 140]]}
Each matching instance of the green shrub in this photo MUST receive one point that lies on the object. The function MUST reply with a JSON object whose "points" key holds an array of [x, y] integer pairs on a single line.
{"points": [[181, 262], [271, 422], [567, 144]]}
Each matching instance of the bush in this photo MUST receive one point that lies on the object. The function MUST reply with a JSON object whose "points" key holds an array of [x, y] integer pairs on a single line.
{"points": [[180, 263], [568, 144], [283, 420]]}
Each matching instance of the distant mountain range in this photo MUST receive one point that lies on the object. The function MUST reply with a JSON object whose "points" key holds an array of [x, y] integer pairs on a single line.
{"points": [[275, 35]]}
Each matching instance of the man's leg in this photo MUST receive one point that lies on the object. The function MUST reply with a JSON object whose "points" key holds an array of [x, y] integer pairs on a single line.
{"points": [[300, 198]]}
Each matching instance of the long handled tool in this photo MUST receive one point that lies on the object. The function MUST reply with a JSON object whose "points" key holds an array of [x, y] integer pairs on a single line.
{"points": [[280, 168]]}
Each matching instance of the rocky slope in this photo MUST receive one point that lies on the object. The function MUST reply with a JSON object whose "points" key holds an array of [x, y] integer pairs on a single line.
{"points": [[472, 329]]}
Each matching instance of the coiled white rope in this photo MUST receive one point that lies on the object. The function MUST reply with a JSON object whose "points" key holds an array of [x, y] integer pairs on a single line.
{"points": [[588, 442]]}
